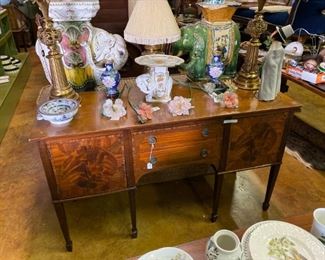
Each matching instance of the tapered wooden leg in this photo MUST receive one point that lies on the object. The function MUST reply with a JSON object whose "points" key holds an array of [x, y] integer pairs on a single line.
{"points": [[134, 231], [60, 213], [218, 179], [274, 171]]}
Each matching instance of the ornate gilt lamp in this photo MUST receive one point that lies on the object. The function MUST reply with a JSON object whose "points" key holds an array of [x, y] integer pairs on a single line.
{"points": [[248, 76], [49, 36]]}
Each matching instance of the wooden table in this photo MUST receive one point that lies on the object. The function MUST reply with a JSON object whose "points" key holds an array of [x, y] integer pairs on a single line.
{"points": [[94, 156], [318, 89], [197, 248]]}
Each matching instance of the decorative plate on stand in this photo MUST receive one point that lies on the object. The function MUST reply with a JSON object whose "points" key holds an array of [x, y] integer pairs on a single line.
{"points": [[159, 60]]}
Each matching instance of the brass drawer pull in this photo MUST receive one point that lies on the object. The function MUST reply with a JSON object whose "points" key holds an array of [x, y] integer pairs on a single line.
{"points": [[205, 132], [204, 153], [152, 139], [230, 121]]}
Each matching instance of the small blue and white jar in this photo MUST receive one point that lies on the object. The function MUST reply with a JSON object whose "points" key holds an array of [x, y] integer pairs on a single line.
{"points": [[215, 68], [111, 79]]}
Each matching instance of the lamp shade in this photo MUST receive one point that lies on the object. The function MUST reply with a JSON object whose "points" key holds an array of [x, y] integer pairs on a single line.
{"points": [[152, 22]]}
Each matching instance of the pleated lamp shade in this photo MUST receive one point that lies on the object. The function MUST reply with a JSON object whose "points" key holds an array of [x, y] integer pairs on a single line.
{"points": [[152, 22]]}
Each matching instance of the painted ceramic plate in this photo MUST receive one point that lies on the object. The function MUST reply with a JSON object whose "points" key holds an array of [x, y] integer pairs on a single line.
{"points": [[280, 240], [294, 48], [166, 253], [4, 57], [159, 60], [15, 61], [6, 62], [245, 240]]}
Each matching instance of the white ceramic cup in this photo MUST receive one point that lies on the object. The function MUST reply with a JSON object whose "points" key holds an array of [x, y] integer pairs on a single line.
{"points": [[227, 245], [318, 227]]}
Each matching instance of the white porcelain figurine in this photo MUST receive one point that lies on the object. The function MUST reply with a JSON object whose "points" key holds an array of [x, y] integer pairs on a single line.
{"points": [[157, 84]]}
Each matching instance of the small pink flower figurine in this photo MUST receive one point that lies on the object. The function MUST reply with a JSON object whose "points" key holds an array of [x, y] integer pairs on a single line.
{"points": [[230, 100], [145, 111], [180, 106]]}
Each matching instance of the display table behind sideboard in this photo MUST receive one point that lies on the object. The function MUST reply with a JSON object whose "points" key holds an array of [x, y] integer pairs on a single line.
{"points": [[93, 156]]}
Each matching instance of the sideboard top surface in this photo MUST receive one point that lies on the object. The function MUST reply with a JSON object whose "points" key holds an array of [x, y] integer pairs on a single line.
{"points": [[89, 118]]}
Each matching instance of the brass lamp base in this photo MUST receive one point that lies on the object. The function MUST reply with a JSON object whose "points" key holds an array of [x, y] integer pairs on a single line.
{"points": [[60, 85], [70, 94], [248, 77], [50, 36], [153, 49], [247, 80]]}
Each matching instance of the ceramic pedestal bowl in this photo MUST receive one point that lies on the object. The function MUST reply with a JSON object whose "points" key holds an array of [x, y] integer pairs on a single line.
{"points": [[58, 111]]}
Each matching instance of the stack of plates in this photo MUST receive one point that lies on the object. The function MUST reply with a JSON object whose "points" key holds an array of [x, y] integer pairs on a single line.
{"points": [[280, 240], [10, 64]]}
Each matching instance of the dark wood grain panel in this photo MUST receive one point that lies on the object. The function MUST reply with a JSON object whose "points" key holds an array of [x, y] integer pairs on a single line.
{"points": [[177, 146], [112, 16], [88, 166], [256, 141]]}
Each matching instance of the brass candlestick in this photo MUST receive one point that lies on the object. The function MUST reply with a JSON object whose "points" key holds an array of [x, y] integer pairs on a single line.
{"points": [[248, 76], [50, 36]]}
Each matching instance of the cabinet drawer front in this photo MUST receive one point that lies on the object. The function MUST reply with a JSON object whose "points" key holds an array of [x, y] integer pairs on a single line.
{"points": [[255, 141], [88, 166], [175, 146]]}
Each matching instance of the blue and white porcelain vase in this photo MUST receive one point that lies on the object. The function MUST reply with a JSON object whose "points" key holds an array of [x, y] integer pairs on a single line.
{"points": [[215, 68], [111, 79]]}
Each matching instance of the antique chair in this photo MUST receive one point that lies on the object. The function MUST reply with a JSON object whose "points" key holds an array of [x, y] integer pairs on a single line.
{"points": [[310, 15]]}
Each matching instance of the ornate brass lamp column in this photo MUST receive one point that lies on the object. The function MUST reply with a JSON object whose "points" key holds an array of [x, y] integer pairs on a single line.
{"points": [[248, 76], [49, 36]]}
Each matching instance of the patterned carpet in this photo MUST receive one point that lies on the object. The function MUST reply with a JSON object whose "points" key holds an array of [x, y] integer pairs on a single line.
{"points": [[306, 152]]}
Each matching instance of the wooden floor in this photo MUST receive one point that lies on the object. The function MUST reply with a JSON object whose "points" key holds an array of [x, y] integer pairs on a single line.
{"points": [[29, 229]]}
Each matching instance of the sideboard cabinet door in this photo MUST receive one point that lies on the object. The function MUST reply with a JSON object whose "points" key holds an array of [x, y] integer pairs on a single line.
{"points": [[256, 141], [88, 166]]}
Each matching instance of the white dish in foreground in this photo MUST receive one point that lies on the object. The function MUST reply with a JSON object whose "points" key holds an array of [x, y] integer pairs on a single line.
{"points": [[246, 255], [159, 60], [166, 253], [282, 240]]}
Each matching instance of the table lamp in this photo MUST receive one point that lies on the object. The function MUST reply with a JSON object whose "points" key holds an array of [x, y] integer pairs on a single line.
{"points": [[248, 76], [153, 24]]}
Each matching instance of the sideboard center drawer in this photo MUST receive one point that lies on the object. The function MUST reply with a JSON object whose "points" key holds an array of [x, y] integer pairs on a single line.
{"points": [[199, 143]]}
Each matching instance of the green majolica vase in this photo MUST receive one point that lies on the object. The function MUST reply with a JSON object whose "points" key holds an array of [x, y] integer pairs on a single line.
{"points": [[201, 41]]}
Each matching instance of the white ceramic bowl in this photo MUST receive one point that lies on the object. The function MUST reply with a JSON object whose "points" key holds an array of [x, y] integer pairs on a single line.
{"points": [[58, 111]]}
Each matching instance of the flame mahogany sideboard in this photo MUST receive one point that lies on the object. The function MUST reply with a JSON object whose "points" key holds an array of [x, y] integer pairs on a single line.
{"points": [[93, 156]]}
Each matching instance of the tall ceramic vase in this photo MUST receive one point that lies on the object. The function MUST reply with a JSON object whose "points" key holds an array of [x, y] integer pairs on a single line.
{"points": [[85, 48], [223, 34], [202, 40]]}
